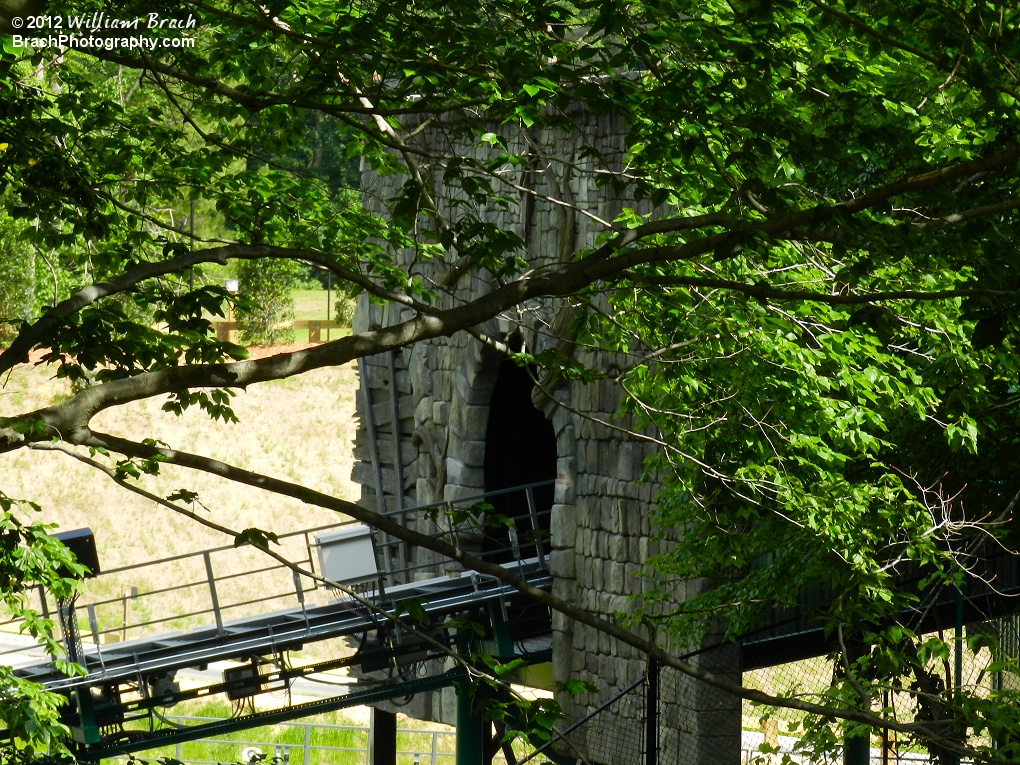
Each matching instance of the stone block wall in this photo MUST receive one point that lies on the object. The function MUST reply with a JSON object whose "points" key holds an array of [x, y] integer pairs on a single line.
{"points": [[428, 407]]}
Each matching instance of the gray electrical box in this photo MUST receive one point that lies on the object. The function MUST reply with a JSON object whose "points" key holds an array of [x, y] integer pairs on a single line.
{"points": [[347, 555]]}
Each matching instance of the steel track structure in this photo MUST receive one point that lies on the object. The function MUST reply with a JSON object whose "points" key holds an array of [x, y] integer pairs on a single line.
{"points": [[126, 682]]}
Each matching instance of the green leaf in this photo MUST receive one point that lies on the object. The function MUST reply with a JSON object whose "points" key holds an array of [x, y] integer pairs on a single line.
{"points": [[255, 537]]}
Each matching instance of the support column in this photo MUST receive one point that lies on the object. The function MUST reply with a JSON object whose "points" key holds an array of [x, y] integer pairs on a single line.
{"points": [[652, 713], [473, 730], [382, 738], [857, 749]]}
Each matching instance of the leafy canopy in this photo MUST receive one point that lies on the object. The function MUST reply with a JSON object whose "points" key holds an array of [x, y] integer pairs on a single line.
{"points": [[809, 263]]}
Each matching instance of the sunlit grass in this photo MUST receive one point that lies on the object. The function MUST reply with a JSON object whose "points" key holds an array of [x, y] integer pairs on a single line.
{"points": [[311, 304], [300, 430], [332, 738]]}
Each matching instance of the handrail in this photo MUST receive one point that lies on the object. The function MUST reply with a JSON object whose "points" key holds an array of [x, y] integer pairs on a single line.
{"points": [[224, 548], [406, 511], [205, 576], [475, 497]]}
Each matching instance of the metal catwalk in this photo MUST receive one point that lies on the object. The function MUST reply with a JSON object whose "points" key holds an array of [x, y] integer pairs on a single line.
{"points": [[279, 631], [114, 706]]}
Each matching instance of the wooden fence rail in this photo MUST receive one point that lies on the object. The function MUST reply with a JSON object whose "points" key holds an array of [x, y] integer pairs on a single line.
{"points": [[227, 330]]}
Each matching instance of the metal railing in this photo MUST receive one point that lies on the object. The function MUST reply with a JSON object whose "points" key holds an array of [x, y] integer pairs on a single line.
{"points": [[751, 756], [202, 580], [216, 584], [422, 747], [414, 746], [527, 535]]}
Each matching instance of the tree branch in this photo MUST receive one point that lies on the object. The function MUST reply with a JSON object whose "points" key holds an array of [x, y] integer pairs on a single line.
{"points": [[609, 262], [17, 352], [395, 529], [764, 293], [390, 616]]}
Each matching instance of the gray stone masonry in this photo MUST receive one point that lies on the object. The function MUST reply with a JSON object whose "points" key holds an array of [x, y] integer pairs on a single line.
{"points": [[600, 527]]}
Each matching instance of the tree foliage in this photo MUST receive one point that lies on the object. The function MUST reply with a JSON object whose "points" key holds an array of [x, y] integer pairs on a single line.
{"points": [[265, 292], [813, 265], [17, 278]]}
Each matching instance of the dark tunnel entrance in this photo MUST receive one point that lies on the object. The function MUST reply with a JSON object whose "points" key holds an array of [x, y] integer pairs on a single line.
{"points": [[520, 448]]}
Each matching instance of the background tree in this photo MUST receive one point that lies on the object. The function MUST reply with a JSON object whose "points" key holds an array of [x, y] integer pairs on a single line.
{"points": [[264, 287], [812, 267], [17, 278]]}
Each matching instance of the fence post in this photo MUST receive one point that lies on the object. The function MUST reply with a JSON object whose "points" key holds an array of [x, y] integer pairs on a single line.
{"points": [[652, 713], [132, 593], [857, 749]]}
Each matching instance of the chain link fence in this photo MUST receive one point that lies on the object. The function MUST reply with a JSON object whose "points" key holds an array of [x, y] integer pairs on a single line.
{"points": [[774, 735], [669, 718]]}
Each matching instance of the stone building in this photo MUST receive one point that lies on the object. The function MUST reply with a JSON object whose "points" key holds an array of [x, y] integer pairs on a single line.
{"points": [[452, 418]]}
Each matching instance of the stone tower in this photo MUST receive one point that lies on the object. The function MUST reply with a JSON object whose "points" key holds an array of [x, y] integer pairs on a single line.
{"points": [[451, 418]]}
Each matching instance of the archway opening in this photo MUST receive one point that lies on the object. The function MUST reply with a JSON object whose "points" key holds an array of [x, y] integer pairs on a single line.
{"points": [[520, 449]]}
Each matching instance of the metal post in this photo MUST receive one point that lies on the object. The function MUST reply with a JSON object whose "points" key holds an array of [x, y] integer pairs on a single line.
{"points": [[535, 526], [471, 729], [504, 646], [888, 743], [212, 593], [857, 749], [132, 593], [958, 650], [94, 627], [652, 713], [515, 542], [382, 738]]}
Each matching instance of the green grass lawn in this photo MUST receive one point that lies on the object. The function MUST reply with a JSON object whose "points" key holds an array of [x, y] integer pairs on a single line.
{"points": [[332, 740], [312, 305]]}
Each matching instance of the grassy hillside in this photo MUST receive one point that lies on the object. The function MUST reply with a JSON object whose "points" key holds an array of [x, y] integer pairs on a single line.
{"points": [[300, 430]]}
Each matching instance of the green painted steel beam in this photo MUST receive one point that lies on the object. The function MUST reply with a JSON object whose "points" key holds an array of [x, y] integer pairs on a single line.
{"points": [[471, 729], [502, 642]]}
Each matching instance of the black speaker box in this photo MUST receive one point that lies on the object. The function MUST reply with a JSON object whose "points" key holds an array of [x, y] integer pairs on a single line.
{"points": [[82, 544]]}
